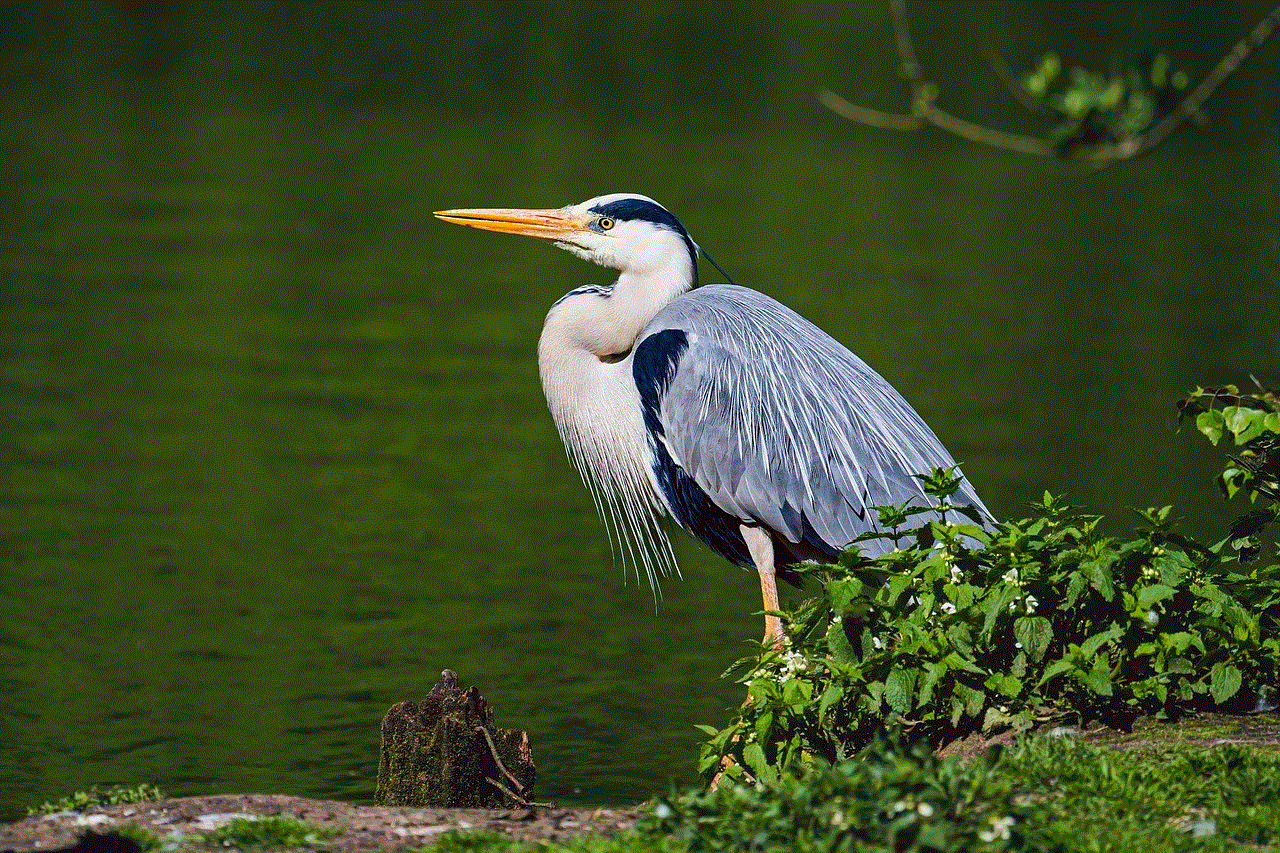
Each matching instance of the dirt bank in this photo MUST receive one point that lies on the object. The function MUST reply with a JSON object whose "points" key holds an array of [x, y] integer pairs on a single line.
{"points": [[363, 829]]}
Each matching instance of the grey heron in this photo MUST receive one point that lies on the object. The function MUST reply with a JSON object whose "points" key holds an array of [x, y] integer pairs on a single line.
{"points": [[716, 405]]}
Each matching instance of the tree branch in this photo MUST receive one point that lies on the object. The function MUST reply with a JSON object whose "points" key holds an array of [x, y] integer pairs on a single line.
{"points": [[924, 111], [1012, 83], [1224, 69]]}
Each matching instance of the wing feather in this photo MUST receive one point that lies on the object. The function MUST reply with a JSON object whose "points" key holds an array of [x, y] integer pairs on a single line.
{"points": [[781, 425]]}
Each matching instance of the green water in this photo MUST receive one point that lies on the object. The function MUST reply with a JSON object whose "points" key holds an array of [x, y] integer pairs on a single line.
{"points": [[274, 451]]}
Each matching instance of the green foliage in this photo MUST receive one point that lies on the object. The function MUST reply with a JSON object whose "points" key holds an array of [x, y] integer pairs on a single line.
{"points": [[1197, 799], [99, 795], [1092, 109], [894, 796], [961, 629], [1040, 794], [1252, 420], [486, 841], [147, 841], [269, 832]]}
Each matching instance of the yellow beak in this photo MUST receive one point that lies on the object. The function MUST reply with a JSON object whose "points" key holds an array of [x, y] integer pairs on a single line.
{"points": [[546, 224]]}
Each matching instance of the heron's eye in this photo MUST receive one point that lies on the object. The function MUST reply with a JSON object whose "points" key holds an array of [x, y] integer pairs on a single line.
{"points": [[604, 223]]}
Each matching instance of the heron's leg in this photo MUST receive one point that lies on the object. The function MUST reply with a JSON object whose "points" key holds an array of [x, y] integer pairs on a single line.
{"points": [[760, 546]]}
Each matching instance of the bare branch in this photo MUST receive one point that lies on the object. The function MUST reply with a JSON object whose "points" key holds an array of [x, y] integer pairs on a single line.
{"points": [[863, 115], [987, 135], [1012, 83], [906, 50], [1224, 69]]}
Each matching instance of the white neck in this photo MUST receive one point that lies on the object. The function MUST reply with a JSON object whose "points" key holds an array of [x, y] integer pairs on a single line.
{"points": [[584, 356]]}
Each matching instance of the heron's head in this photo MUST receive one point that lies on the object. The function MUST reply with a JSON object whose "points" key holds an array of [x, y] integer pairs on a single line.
{"points": [[622, 231]]}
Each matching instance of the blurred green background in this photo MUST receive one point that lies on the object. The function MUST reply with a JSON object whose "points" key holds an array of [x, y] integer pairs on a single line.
{"points": [[273, 447]]}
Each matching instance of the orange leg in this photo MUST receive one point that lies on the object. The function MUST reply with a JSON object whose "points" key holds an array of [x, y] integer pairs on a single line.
{"points": [[760, 547]]}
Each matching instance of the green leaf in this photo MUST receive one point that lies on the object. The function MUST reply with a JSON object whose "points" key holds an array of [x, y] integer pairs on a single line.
{"points": [[1099, 574], [830, 696], [1074, 587], [1149, 595], [1098, 679], [1224, 682], [1090, 646], [1245, 424], [900, 688], [753, 757], [1055, 669], [764, 726], [967, 702], [954, 660], [1035, 633], [838, 643], [998, 606], [929, 679], [1005, 685], [841, 592]]}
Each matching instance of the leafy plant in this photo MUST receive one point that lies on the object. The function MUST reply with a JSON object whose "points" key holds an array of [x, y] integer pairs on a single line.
{"points": [[1041, 794], [1090, 109], [99, 795], [1252, 420], [960, 629]]}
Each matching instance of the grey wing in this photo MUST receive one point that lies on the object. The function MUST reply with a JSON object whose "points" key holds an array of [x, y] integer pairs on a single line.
{"points": [[781, 425]]}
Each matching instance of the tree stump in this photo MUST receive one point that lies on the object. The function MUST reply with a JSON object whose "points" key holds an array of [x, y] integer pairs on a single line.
{"points": [[446, 751]]}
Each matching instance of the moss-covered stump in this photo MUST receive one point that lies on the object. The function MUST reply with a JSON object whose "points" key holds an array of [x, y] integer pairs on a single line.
{"points": [[446, 751]]}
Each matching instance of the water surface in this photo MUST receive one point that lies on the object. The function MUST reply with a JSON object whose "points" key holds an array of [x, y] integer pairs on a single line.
{"points": [[274, 451]]}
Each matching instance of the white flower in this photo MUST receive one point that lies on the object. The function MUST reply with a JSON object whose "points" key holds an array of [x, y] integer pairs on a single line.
{"points": [[947, 607], [1011, 576], [792, 663], [1153, 618], [1031, 603], [662, 811], [924, 810], [956, 574], [877, 642], [999, 830]]}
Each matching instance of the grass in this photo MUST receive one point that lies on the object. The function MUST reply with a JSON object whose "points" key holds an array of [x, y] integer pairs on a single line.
{"points": [[269, 832], [99, 795], [147, 841], [1041, 794]]}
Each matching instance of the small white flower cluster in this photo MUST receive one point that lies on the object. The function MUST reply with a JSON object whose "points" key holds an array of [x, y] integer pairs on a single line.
{"points": [[793, 663], [1000, 829], [922, 809], [1150, 573], [1028, 602], [949, 560]]}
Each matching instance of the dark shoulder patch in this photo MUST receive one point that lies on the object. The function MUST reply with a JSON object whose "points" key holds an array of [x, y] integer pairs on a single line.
{"points": [[653, 366]]}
